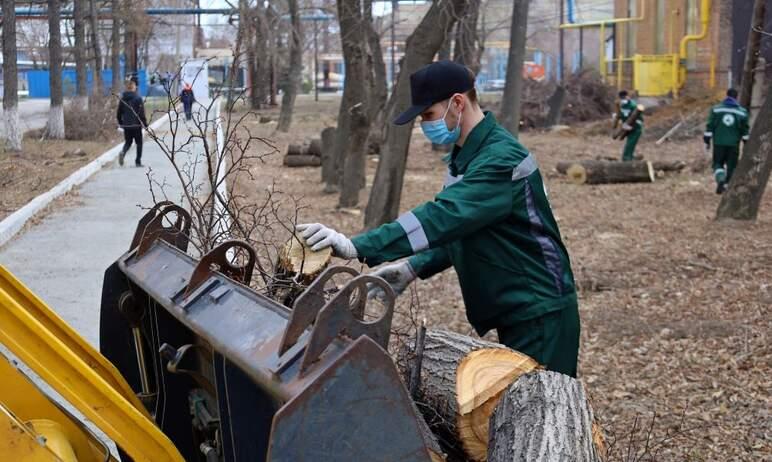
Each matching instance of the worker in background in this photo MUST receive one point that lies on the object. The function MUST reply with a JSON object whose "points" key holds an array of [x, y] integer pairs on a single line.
{"points": [[492, 222], [131, 119], [727, 126], [634, 127], [187, 98]]}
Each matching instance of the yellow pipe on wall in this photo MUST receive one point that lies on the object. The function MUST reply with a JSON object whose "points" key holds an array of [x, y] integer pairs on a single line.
{"points": [[705, 22], [605, 22]]}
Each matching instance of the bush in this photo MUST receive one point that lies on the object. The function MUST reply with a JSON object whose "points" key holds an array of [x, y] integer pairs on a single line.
{"points": [[91, 122]]}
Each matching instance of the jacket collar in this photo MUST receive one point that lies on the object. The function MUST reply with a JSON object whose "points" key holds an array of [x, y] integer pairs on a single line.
{"points": [[461, 156], [729, 101]]}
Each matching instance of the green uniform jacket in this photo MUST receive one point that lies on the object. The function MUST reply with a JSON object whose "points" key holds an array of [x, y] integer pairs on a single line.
{"points": [[493, 223], [625, 109], [727, 123]]}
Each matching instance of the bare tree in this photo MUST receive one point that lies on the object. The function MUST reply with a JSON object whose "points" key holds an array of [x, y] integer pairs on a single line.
{"points": [[379, 92], [746, 188], [115, 52], [420, 49], [55, 127], [353, 115], [97, 50], [13, 133], [468, 48], [513, 88], [752, 52], [294, 70], [79, 23]]}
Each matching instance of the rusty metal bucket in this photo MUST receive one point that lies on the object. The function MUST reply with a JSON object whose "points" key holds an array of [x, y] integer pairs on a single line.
{"points": [[230, 375]]}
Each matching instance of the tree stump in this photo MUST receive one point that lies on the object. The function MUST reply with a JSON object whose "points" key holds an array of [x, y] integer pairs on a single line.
{"points": [[602, 172], [461, 379], [296, 267], [543, 416]]}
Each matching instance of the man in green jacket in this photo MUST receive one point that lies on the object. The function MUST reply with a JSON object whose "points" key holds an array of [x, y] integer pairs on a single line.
{"points": [[492, 222], [626, 107], [727, 126]]}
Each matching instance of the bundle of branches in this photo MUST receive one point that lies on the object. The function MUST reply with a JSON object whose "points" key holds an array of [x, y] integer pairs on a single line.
{"points": [[93, 122], [587, 98]]}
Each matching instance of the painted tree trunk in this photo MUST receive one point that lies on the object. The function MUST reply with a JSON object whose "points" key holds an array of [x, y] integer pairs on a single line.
{"points": [[12, 129], [544, 415], [79, 23]]}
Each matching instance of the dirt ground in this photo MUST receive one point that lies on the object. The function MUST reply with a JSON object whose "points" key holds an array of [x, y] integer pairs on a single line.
{"points": [[40, 166], [675, 307]]}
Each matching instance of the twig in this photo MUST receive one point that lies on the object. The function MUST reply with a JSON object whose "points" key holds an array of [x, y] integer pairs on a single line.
{"points": [[415, 371]]}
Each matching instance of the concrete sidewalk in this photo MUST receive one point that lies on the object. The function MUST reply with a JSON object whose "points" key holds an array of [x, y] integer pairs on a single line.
{"points": [[63, 258]]}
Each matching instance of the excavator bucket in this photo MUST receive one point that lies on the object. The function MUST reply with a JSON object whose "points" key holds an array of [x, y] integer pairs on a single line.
{"points": [[230, 375]]}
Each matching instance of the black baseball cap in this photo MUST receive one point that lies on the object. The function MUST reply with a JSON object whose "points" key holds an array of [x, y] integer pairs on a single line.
{"points": [[434, 83]]}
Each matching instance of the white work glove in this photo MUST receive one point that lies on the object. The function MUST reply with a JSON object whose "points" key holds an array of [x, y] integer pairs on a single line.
{"points": [[319, 237], [627, 127], [398, 275]]}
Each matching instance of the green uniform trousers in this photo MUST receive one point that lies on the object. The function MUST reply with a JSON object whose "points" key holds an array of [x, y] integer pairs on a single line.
{"points": [[724, 162], [552, 339], [630, 142]]}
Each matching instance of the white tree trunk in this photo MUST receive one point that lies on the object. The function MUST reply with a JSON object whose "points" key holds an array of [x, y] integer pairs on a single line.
{"points": [[13, 131], [543, 416], [55, 127]]}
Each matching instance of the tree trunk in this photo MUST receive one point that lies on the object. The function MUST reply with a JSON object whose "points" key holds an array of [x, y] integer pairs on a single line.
{"points": [[353, 116], [97, 70], [513, 88], [115, 53], [467, 47], [55, 127], [746, 188], [752, 52], [79, 22], [379, 92], [543, 416], [603, 172], [555, 103], [328, 160], [421, 46], [295, 69], [13, 133], [461, 379]]}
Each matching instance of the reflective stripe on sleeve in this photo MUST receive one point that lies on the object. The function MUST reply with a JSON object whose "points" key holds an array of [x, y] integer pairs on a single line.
{"points": [[415, 232], [708, 134], [524, 168]]}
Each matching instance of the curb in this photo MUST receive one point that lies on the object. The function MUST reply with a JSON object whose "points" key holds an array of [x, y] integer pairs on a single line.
{"points": [[14, 222]]}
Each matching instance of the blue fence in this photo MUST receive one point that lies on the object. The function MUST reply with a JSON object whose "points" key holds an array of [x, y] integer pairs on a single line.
{"points": [[40, 88]]}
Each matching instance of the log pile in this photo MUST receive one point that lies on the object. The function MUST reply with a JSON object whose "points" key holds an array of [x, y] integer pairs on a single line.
{"points": [[304, 155], [475, 396]]}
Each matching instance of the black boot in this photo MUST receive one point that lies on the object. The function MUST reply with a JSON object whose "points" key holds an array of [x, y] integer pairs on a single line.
{"points": [[121, 157], [721, 187]]}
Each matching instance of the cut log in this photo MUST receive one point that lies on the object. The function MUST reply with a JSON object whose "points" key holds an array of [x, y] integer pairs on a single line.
{"points": [[658, 165], [296, 267], [601, 172], [543, 416], [302, 160], [295, 150], [314, 147], [621, 133], [445, 387]]}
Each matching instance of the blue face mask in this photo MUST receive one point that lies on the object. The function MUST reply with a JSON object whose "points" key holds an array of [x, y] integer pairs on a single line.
{"points": [[437, 130]]}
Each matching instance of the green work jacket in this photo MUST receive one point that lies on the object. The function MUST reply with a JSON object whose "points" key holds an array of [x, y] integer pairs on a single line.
{"points": [[727, 123], [492, 221], [625, 109]]}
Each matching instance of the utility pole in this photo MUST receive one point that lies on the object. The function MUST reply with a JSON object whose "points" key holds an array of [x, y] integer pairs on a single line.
{"points": [[561, 53]]}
